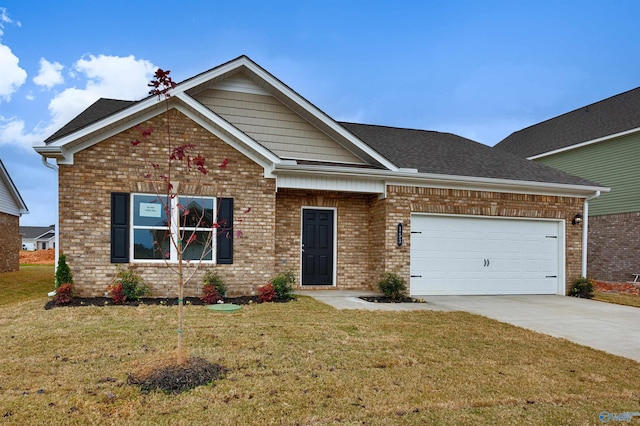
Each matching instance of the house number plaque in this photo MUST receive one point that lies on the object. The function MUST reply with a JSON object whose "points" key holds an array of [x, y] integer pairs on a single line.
{"points": [[399, 238]]}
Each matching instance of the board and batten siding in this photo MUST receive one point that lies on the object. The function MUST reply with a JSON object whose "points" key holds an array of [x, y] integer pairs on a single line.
{"points": [[275, 126], [613, 164]]}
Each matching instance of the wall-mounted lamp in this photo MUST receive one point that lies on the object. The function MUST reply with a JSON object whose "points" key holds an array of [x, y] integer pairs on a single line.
{"points": [[577, 219]]}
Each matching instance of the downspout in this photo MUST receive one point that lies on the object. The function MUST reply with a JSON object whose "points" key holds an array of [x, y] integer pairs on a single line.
{"points": [[585, 232], [57, 253]]}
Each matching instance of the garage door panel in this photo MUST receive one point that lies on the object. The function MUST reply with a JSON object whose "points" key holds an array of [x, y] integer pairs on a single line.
{"points": [[464, 255]]}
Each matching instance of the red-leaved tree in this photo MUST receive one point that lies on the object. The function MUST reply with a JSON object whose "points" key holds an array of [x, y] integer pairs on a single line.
{"points": [[195, 228]]}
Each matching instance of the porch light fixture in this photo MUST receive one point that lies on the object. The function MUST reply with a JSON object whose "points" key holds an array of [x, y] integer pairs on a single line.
{"points": [[577, 219]]}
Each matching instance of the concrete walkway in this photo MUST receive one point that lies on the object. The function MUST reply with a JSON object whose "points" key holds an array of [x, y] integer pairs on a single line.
{"points": [[604, 326]]}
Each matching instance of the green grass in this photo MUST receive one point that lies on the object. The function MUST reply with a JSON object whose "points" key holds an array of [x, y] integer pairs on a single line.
{"points": [[618, 298], [32, 281], [302, 363]]}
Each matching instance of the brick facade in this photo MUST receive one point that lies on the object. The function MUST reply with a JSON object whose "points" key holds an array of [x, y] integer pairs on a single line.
{"points": [[10, 243], [113, 165], [614, 253], [353, 220], [366, 224], [402, 201]]}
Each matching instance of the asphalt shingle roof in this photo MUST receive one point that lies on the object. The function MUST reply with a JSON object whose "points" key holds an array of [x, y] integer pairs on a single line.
{"points": [[37, 231], [607, 117], [98, 110], [427, 151], [449, 154]]}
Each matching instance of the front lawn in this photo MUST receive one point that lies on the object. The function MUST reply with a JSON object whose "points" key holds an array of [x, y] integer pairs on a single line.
{"points": [[618, 298], [32, 281], [303, 363]]}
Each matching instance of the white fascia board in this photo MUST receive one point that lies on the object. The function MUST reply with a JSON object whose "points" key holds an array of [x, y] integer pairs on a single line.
{"points": [[64, 149], [107, 121], [221, 128], [287, 92], [449, 181], [586, 143]]}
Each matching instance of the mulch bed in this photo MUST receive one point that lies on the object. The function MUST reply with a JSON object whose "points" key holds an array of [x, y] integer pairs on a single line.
{"points": [[387, 299], [174, 378], [107, 301]]}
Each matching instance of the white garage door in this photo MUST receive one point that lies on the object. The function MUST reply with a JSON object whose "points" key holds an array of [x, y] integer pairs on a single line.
{"points": [[479, 255]]}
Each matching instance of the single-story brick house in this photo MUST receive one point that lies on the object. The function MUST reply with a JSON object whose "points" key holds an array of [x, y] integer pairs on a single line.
{"points": [[338, 203], [12, 206]]}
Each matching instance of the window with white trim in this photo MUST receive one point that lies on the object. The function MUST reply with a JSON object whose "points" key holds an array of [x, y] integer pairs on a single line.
{"points": [[155, 224]]}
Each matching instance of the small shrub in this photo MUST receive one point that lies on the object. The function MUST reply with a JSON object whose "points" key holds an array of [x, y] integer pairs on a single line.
{"points": [[63, 272], [117, 293], [218, 283], [133, 285], [267, 293], [63, 294], [582, 287], [210, 294], [283, 285], [393, 286]]}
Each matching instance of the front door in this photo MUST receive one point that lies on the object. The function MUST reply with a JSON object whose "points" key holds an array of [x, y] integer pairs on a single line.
{"points": [[317, 247]]}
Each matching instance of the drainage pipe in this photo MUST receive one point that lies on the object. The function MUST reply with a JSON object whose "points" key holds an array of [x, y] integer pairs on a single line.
{"points": [[55, 168]]}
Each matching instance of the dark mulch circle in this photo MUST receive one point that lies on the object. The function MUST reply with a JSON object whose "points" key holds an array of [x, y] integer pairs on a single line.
{"points": [[174, 378], [387, 299], [107, 301]]}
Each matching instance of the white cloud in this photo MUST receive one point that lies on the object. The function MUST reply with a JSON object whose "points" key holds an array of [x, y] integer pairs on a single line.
{"points": [[12, 132], [50, 74], [102, 76], [107, 77], [5, 19], [12, 75], [116, 76]]}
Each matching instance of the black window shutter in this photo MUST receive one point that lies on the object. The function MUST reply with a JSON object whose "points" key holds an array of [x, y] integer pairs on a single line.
{"points": [[119, 227], [224, 253]]}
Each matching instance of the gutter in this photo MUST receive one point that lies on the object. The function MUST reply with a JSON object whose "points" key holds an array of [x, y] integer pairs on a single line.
{"points": [[55, 168], [413, 177], [585, 231]]}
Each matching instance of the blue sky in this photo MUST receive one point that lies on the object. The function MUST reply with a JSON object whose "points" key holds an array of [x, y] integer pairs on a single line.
{"points": [[480, 69]]}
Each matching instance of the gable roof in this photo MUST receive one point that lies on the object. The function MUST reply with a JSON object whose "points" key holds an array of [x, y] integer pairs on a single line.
{"points": [[415, 155], [448, 154], [110, 116], [37, 232], [11, 201], [608, 118]]}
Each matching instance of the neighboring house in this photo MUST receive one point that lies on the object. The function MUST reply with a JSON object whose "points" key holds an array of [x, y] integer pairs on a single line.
{"points": [[339, 204], [38, 237], [599, 142], [12, 206]]}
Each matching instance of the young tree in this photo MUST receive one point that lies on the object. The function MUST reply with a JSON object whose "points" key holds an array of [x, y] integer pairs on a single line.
{"points": [[192, 227]]}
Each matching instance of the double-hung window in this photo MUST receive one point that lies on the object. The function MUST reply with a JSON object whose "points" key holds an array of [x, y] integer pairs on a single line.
{"points": [[157, 226]]}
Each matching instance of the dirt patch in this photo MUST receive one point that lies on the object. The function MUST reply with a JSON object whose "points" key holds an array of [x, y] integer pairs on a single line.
{"points": [[620, 288], [38, 257]]}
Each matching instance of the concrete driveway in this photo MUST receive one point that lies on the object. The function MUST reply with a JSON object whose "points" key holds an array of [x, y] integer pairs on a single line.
{"points": [[604, 326]]}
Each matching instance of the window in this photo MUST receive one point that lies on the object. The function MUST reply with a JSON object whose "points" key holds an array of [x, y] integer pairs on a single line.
{"points": [[153, 230]]}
